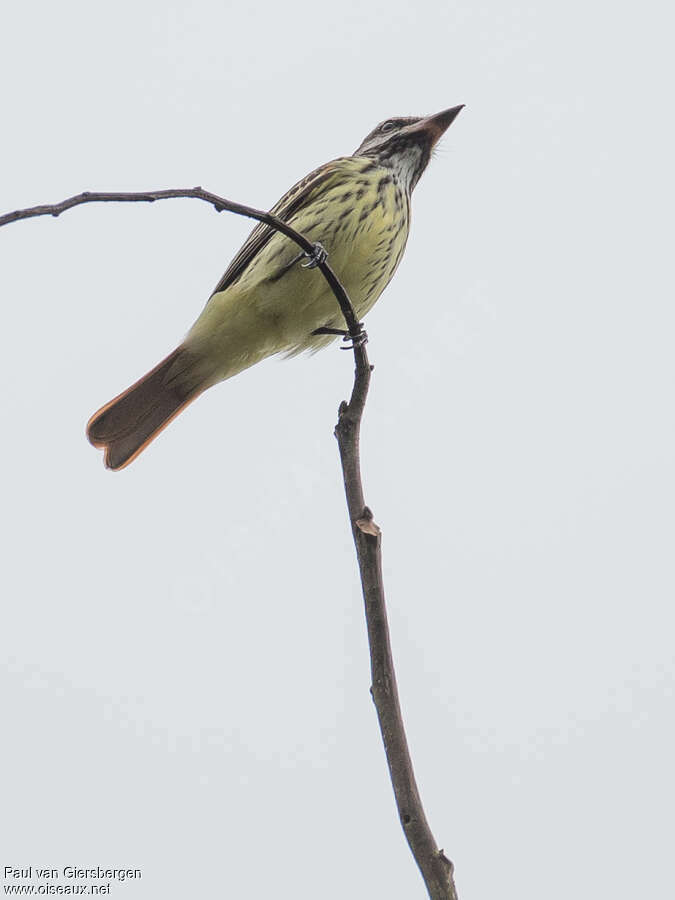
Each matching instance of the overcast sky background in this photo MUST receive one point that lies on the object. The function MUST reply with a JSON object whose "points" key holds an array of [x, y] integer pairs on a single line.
{"points": [[184, 662]]}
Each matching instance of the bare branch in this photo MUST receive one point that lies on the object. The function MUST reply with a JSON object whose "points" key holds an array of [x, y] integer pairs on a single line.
{"points": [[436, 868], [219, 203]]}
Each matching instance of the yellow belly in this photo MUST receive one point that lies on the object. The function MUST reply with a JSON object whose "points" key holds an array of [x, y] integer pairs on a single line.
{"points": [[361, 218]]}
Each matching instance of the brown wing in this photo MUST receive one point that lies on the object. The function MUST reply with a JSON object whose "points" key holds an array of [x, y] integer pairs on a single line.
{"points": [[292, 201]]}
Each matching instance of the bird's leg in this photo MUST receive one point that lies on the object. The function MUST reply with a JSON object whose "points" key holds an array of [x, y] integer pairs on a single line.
{"points": [[318, 255], [326, 329]]}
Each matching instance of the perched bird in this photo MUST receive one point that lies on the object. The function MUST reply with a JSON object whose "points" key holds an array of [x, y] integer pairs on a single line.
{"points": [[268, 301]]}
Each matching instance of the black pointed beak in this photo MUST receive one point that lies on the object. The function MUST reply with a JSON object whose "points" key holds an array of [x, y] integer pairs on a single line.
{"points": [[435, 126]]}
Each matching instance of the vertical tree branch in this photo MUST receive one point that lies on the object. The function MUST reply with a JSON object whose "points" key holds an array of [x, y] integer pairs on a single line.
{"points": [[436, 869]]}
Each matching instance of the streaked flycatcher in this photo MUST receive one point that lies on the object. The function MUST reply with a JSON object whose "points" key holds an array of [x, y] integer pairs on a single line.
{"points": [[267, 302]]}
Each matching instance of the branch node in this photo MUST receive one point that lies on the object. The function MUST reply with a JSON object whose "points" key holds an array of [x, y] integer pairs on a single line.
{"points": [[366, 525], [447, 862]]}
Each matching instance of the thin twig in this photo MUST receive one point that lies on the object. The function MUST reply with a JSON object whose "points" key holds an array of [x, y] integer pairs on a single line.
{"points": [[436, 869]]}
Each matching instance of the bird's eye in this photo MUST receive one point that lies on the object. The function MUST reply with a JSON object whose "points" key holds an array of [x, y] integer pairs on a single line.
{"points": [[387, 126]]}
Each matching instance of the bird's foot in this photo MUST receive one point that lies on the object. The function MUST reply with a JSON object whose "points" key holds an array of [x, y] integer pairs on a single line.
{"points": [[318, 255], [357, 340]]}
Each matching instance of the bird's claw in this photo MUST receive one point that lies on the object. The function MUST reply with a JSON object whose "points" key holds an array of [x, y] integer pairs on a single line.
{"points": [[318, 255], [357, 340]]}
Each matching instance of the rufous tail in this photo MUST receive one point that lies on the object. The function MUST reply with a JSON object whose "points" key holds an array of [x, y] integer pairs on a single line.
{"points": [[125, 426]]}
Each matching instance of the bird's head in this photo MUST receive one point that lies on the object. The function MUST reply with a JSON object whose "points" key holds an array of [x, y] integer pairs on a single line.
{"points": [[405, 144]]}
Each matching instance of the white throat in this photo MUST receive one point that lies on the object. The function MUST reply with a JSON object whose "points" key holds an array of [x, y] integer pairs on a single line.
{"points": [[406, 166]]}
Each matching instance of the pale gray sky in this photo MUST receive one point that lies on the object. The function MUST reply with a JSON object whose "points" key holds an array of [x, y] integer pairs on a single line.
{"points": [[184, 666]]}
